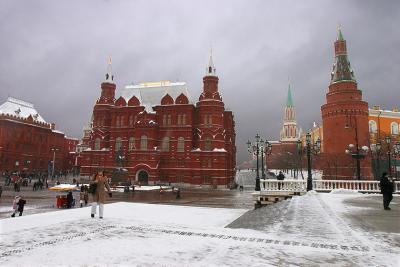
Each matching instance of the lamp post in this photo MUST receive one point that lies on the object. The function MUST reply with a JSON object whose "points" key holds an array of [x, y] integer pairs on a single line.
{"points": [[356, 151], [268, 151], [376, 150], [310, 148], [54, 159], [388, 140], [254, 148], [395, 152]]}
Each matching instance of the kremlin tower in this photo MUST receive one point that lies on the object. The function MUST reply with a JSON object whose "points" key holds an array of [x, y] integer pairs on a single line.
{"points": [[289, 132], [344, 119]]}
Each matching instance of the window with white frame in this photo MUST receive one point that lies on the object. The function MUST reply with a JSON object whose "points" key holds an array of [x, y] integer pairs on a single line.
{"points": [[372, 126], [394, 128], [143, 142], [131, 143], [118, 143], [181, 144]]}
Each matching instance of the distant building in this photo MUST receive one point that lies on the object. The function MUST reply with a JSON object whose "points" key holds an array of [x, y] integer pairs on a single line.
{"points": [[284, 152], [27, 140], [158, 134]]}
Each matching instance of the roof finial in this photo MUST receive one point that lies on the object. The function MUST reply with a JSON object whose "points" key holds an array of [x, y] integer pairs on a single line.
{"points": [[339, 34], [109, 75], [211, 71]]}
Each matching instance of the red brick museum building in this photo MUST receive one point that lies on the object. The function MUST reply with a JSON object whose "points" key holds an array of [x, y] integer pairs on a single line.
{"points": [[158, 134], [28, 143]]}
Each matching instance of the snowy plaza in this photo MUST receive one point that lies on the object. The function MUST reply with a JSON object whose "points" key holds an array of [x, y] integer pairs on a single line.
{"points": [[342, 228]]}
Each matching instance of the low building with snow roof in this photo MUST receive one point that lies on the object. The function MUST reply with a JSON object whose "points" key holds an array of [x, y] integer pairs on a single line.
{"points": [[27, 140]]}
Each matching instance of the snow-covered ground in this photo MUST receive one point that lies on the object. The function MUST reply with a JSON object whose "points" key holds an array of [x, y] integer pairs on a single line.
{"points": [[310, 230]]}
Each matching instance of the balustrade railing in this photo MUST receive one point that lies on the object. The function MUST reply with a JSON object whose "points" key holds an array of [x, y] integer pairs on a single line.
{"points": [[324, 185]]}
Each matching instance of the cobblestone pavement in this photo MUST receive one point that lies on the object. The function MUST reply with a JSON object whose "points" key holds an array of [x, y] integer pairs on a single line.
{"points": [[44, 200], [309, 217]]}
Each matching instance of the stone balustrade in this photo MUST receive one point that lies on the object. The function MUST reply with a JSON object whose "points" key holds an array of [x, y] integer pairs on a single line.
{"points": [[297, 186]]}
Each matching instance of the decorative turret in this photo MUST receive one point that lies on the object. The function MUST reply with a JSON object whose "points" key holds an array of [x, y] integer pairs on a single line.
{"points": [[341, 70], [109, 75], [210, 82], [211, 71], [108, 86]]}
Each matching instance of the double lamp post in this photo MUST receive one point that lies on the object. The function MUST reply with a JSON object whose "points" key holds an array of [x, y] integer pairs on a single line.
{"points": [[256, 148], [310, 148]]}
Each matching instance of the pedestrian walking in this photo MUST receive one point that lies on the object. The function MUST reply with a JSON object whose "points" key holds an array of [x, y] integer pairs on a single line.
{"points": [[70, 200], [86, 195], [387, 188], [82, 196], [18, 205], [99, 184], [280, 177]]}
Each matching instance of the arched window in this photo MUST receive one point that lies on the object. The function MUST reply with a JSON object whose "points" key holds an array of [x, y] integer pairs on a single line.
{"points": [[394, 128], [207, 144], [372, 126], [118, 143], [179, 119], [97, 144], [143, 142], [131, 143], [131, 120], [184, 119], [164, 122], [181, 144], [169, 119], [165, 144], [117, 124], [122, 121]]}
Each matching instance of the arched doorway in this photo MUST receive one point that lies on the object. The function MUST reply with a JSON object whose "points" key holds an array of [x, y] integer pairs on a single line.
{"points": [[143, 177]]}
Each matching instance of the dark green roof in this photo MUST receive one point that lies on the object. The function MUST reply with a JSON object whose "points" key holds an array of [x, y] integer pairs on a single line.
{"points": [[289, 100], [339, 35]]}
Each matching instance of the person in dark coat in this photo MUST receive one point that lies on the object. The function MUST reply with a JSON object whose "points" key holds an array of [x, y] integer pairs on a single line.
{"points": [[18, 205], [280, 177], [70, 199], [387, 188]]}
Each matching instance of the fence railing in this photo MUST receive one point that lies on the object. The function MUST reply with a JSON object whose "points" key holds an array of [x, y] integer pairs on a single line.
{"points": [[324, 185]]}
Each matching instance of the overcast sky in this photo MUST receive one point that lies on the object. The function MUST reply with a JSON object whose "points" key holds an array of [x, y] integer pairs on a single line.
{"points": [[55, 53]]}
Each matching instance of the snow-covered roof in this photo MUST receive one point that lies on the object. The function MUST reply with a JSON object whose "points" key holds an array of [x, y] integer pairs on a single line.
{"points": [[150, 94], [20, 108]]}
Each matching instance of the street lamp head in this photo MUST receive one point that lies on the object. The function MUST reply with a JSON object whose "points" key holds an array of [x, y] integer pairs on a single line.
{"points": [[299, 145], [365, 148], [351, 146], [388, 139], [318, 143], [347, 151], [257, 138], [248, 144], [308, 138], [397, 147], [378, 146]]}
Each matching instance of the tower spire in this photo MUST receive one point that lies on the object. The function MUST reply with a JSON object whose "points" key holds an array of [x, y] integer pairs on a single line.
{"points": [[289, 100], [109, 75], [211, 71], [341, 70]]}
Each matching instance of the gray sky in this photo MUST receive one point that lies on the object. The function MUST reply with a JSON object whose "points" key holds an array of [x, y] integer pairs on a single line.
{"points": [[54, 54]]}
